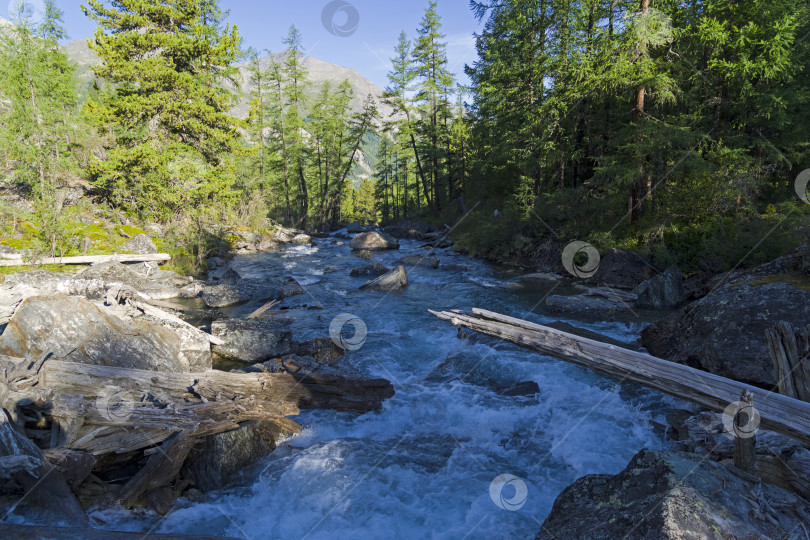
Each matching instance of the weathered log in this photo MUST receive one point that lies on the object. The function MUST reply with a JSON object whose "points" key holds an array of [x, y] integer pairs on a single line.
{"points": [[36, 532], [89, 259], [778, 413], [105, 427], [268, 306], [303, 391], [790, 353], [745, 444]]}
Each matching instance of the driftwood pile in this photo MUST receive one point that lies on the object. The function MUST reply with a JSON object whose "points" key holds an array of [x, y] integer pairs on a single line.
{"points": [[78, 434], [95, 413]]}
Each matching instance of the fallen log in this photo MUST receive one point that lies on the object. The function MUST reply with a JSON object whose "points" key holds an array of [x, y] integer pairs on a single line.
{"points": [[778, 413], [268, 306], [300, 390], [88, 259]]}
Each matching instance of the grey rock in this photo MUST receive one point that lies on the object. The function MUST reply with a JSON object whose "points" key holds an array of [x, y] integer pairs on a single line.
{"points": [[140, 244], [419, 260], [585, 304], [373, 269], [224, 295], [250, 340], [77, 330], [155, 228], [286, 236], [664, 291], [672, 495], [724, 332], [324, 350], [354, 228], [221, 457], [267, 245], [620, 268], [373, 241], [457, 268], [302, 239], [365, 254], [392, 281], [412, 229]]}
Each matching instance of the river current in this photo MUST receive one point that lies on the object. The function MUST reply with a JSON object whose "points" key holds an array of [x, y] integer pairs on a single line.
{"points": [[424, 465]]}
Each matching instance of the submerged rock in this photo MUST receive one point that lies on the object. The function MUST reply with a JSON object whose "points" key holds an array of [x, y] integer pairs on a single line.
{"points": [[77, 330], [373, 241], [392, 281], [250, 340], [672, 495], [373, 269], [525, 388], [419, 260]]}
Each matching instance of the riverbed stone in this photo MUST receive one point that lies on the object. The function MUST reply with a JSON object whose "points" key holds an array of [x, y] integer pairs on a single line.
{"points": [[664, 291], [373, 241], [419, 260], [585, 304], [75, 329], [220, 457], [392, 281], [672, 495], [250, 340], [623, 269], [373, 269]]}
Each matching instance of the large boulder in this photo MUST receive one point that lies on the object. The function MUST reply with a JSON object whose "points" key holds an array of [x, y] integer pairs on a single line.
{"points": [[220, 457], [664, 291], [672, 495], [724, 332], [419, 260], [78, 330], [392, 281], [94, 282], [373, 241], [250, 340], [140, 244], [412, 229], [232, 290], [623, 269]]}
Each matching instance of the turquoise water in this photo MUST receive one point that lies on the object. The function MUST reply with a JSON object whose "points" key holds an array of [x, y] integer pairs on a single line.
{"points": [[422, 467]]}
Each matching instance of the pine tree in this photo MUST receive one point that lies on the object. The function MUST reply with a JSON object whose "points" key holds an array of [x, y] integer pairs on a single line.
{"points": [[173, 134], [430, 66]]}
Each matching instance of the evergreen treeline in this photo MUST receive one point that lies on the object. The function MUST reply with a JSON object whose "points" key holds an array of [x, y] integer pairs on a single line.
{"points": [[660, 125], [672, 127]]}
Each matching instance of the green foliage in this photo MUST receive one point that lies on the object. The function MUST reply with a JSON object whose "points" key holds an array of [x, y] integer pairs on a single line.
{"points": [[174, 139]]}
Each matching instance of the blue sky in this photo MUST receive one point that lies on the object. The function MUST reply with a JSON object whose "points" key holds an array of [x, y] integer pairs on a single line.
{"points": [[366, 50]]}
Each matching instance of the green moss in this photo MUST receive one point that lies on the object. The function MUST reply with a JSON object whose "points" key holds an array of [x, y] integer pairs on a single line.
{"points": [[132, 231], [16, 243], [800, 281]]}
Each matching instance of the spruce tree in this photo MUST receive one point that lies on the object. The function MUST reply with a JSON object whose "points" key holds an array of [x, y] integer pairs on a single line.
{"points": [[174, 138]]}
